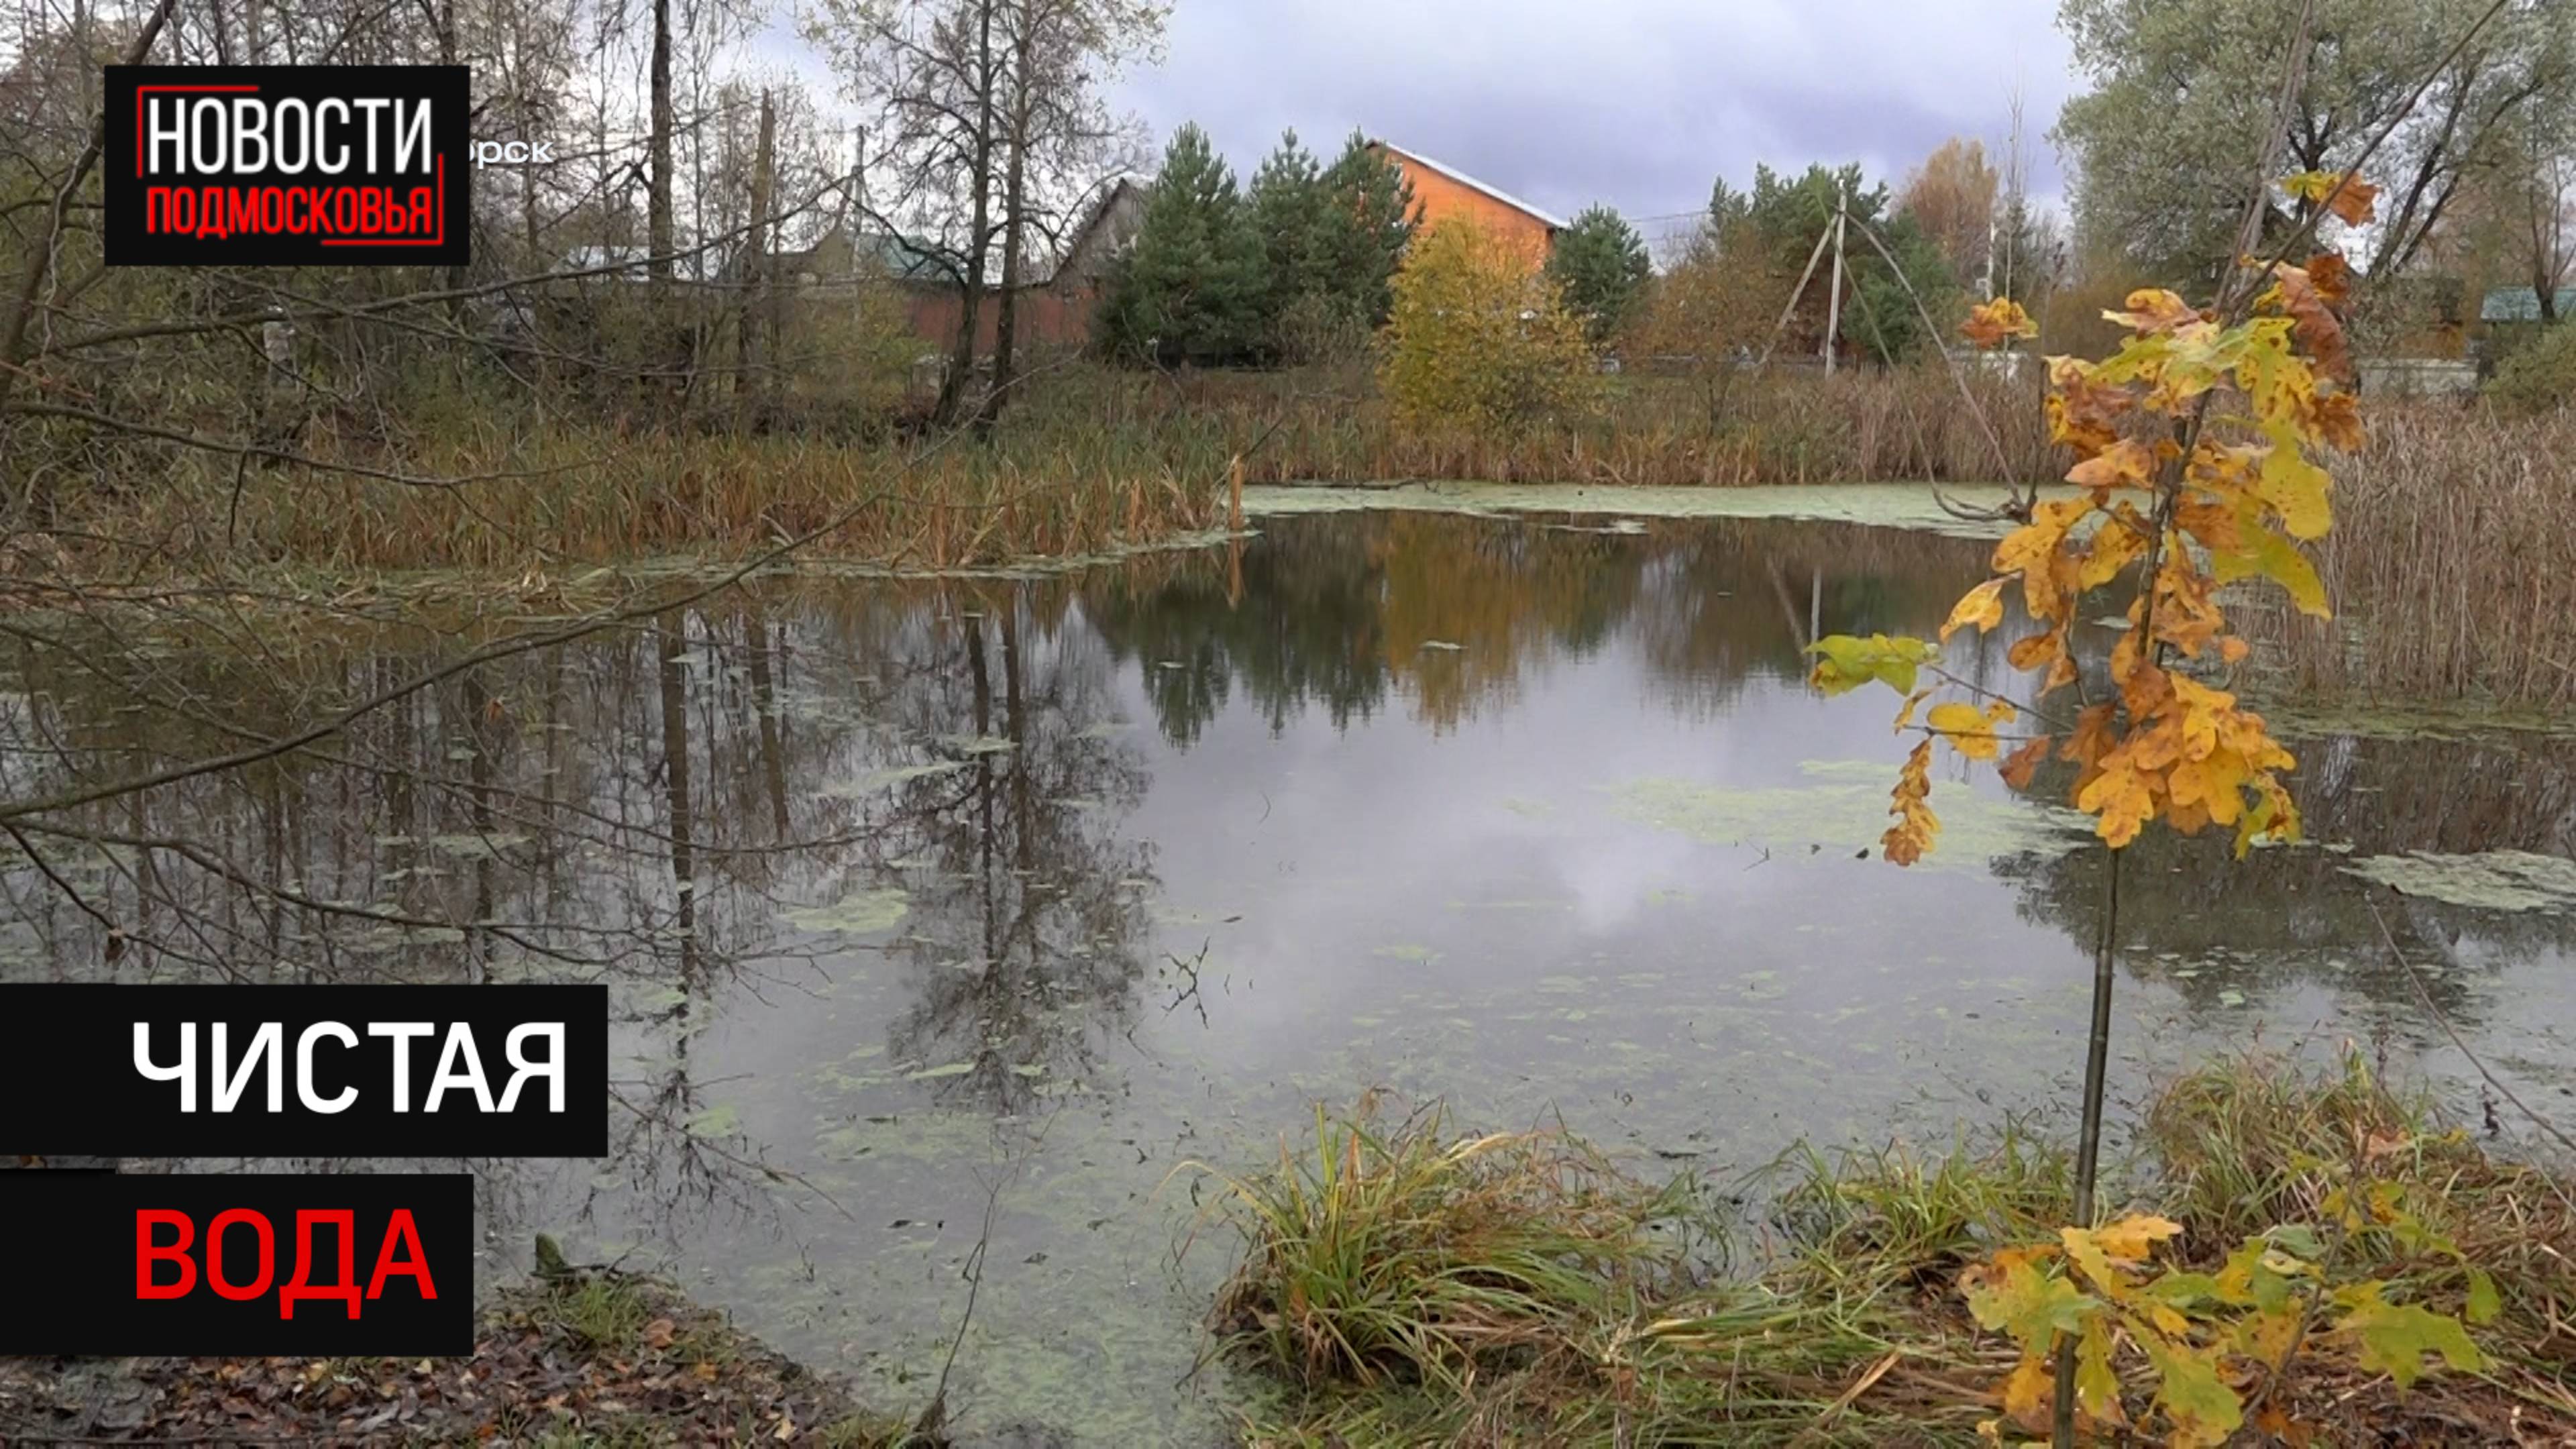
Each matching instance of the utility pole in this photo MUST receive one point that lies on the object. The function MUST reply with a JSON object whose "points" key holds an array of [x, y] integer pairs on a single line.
{"points": [[1834, 298]]}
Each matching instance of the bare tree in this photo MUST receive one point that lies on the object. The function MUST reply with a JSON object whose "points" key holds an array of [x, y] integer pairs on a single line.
{"points": [[990, 130]]}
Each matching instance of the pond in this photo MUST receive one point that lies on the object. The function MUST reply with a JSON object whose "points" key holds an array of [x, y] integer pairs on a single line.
{"points": [[985, 912]]}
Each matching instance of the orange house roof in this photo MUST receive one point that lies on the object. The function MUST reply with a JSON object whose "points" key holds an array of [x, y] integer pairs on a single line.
{"points": [[1445, 193]]}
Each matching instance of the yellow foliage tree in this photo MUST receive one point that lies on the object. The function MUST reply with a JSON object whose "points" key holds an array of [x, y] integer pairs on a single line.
{"points": [[2195, 448], [1479, 337]]}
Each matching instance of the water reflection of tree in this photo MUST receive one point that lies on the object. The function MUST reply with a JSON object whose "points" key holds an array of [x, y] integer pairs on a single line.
{"points": [[1306, 632], [2299, 911], [616, 811], [1027, 931], [1728, 600], [1456, 611]]}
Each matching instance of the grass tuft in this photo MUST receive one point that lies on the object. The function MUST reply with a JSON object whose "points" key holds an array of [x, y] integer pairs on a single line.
{"points": [[1400, 1253], [1411, 1285]]}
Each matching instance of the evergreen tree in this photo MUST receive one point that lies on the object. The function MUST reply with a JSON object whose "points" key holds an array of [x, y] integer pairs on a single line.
{"points": [[1369, 222], [1787, 214], [1600, 267], [1189, 289], [1287, 206], [1728, 208]]}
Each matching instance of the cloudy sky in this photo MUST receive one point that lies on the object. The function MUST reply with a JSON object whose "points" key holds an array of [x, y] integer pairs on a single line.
{"points": [[1639, 103]]}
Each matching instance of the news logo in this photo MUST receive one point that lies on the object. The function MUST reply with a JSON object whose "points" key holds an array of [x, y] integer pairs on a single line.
{"points": [[284, 166], [291, 1264]]}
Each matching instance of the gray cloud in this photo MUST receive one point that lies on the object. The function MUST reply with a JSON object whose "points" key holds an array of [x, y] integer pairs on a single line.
{"points": [[1639, 103]]}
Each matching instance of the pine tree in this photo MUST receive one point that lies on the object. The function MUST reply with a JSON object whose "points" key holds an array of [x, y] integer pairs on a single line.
{"points": [[1369, 223], [1287, 207], [1600, 266], [1189, 289]]}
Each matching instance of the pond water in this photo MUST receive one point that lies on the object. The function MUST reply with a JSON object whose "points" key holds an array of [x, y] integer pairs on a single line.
{"points": [[941, 913]]}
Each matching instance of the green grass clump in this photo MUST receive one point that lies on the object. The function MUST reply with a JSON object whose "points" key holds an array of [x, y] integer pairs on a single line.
{"points": [[1409, 1285], [1400, 1253], [1418, 1286]]}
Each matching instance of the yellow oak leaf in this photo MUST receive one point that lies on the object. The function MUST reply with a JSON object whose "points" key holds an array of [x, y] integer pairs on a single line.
{"points": [[2344, 194], [2262, 553], [1916, 825], [1982, 606], [2154, 310], [2126, 463], [2296, 488], [2120, 801], [2114, 547], [2136, 1235], [1905, 716], [2028, 1393], [1988, 325], [2097, 1388], [2202, 1409], [1969, 730]]}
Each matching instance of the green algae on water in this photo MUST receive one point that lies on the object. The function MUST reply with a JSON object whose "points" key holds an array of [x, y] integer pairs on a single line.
{"points": [[886, 779], [1846, 811], [861, 913], [1886, 505], [2496, 880]]}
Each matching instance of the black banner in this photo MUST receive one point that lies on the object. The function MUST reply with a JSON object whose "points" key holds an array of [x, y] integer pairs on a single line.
{"points": [[286, 165], [309, 1264], [304, 1071]]}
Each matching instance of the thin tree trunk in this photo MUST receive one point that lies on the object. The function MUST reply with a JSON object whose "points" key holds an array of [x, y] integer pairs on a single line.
{"points": [[658, 233], [671, 647], [455, 279], [2088, 1143], [751, 383], [1014, 190], [979, 236]]}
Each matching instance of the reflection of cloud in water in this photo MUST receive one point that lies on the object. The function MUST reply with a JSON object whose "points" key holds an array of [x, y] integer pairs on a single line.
{"points": [[1617, 875]]}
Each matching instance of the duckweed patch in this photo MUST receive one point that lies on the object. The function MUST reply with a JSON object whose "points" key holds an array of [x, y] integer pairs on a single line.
{"points": [[2496, 880], [1845, 811], [886, 779], [1886, 505], [862, 913]]}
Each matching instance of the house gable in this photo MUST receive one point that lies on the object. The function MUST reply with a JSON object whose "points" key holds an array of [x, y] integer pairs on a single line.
{"points": [[1445, 193]]}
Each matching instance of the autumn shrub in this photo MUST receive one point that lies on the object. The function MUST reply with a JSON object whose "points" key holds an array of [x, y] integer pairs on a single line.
{"points": [[2539, 377], [1480, 338], [845, 358]]}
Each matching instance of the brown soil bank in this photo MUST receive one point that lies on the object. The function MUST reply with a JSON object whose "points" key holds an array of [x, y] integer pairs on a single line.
{"points": [[595, 1358]]}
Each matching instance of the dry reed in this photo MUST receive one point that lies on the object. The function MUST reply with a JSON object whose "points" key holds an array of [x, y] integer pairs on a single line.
{"points": [[2452, 564]]}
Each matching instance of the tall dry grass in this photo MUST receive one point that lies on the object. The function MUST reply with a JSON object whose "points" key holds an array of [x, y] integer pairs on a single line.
{"points": [[1720, 428], [2452, 564], [580, 497], [1090, 458]]}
